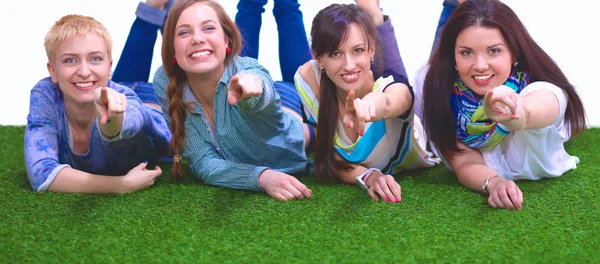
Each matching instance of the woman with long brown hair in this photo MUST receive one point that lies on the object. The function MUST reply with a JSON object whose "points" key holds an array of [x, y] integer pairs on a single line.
{"points": [[496, 106], [365, 124], [225, 115]]}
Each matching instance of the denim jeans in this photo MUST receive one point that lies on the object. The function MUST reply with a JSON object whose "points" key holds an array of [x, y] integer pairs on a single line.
{"points": [[133, 68], [294, 50], [449, 6]]}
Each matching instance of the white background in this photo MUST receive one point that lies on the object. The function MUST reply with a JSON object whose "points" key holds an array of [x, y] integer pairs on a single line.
{"points": [[567, 30]]}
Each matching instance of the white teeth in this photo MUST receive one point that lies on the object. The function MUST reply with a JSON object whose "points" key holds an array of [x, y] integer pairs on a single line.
{"points": [[84, 85], [482, 78], [201, 54], [350, 76]]}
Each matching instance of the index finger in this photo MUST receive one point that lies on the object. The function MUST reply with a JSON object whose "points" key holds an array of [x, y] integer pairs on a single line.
{"points": [[234, 83], [104, 95], [350, 102]]}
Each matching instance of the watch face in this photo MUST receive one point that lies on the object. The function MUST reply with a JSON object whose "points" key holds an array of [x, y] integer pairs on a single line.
{"points": [[362, 184]]}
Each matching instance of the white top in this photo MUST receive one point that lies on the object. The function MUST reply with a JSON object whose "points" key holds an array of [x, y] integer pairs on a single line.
{"points": [[533, 154]]}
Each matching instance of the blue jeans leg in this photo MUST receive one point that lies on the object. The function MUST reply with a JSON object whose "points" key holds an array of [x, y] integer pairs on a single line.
{"points": [[249, 20], [446, 12], [136, 58], [294, 50]]}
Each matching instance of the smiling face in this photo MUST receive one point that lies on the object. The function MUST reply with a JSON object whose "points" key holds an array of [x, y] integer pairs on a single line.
{"points": [[80, 65], [200, 41], [483, 59], [349, 65]]}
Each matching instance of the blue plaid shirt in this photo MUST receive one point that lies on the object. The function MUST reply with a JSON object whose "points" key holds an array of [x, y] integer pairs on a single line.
{"points": [[249, 137], [48, 141]]}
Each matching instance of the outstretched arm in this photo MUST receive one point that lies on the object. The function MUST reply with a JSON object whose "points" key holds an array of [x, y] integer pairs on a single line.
{"points": [[540, 107]]}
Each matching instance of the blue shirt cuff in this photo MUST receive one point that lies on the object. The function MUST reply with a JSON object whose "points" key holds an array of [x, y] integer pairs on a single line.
{"points": [[151, 14]]}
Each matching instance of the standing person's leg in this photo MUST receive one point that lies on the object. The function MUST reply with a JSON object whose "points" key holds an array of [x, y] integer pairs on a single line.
{"points": [[249, 20], [294, 50]]}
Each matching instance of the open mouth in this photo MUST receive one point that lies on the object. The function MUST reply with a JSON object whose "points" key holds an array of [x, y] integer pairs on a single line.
{"points": [[85, 86], [352, 77]]}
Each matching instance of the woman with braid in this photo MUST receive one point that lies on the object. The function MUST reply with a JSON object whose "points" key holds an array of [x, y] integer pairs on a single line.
{"points": [[225, 115], [496, 106]]}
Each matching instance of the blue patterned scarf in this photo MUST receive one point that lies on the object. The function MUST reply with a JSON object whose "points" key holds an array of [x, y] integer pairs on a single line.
{"points": [[473, 127]]}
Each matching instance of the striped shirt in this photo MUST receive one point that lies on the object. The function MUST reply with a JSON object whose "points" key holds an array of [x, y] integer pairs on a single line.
{"points": [[249, 137], [389, 145]]}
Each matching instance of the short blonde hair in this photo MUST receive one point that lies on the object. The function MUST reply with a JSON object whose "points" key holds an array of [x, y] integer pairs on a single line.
{"points": [[73, 25]]}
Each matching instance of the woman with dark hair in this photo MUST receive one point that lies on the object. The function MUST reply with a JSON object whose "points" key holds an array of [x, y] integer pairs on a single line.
{"points": [[226, 118], [497, 107], [365, 124]]}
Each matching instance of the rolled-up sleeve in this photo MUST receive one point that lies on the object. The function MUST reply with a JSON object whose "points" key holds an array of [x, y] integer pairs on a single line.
{"points": [[41, 140]]}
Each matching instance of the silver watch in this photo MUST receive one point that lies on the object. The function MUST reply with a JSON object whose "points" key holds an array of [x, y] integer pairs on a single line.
{"points": [[361, 180]]}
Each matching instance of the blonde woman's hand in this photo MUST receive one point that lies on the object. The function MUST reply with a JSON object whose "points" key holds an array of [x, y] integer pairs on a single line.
{"points": [[384, 186], [282, 186], [140, 178], [109, 103], [243, 86]]}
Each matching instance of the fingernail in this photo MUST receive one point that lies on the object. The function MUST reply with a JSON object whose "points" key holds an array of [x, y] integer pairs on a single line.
{"points": [[362, 134], [398, 199], [377, 199], [145, 161], [386, 199]]}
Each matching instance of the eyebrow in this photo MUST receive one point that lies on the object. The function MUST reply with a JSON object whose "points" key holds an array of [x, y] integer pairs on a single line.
{"points": [[203, 23], [75, 55], [489, 47], [362, 44]]}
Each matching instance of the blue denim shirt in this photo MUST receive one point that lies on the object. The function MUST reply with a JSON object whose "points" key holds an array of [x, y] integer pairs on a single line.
{"points": [[48, 141], [249, 137]]}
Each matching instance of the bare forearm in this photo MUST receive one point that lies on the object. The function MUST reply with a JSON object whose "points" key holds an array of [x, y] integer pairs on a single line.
{"points": [[539, 109], [75, 181], [112, 127], [472, 175], [395, 101], [470, 167]]}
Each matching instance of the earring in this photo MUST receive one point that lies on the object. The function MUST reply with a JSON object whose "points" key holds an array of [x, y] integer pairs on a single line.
{"points": [[516, 63], [372, 61], [227, 49], [174, 60], [455, 68], [323, 70]]}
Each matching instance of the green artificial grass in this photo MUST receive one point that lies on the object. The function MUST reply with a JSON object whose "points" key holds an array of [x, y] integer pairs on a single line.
{"points": [[188, 222]]}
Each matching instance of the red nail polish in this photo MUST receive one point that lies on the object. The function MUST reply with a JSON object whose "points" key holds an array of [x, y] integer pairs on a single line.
{"points": [[362, 134], [386, 199]]}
